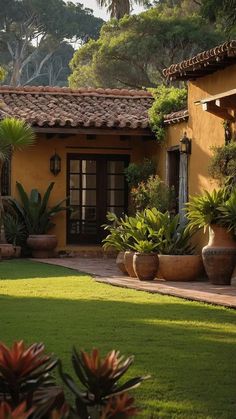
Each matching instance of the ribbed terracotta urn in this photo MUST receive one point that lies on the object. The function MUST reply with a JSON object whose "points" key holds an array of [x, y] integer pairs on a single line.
{"points": [[7, 250], [120, 262], [128, 258], [219, 256], [180, 267], [42, 245], [145, 266]]}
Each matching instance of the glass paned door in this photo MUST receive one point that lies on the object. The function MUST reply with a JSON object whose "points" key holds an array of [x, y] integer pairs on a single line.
{"points": [[96, 185]]}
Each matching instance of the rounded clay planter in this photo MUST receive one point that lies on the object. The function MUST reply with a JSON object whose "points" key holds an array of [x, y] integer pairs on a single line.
{"points": [[180, 267], [128, 258], [145, 266], [120, 262], [219, 256], [7, 250], [42, 245]]}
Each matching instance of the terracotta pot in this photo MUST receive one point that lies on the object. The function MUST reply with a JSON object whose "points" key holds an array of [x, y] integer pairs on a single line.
{"points": [[180, 267], [42, 245], [219, 256], [128, 258], [145, 266], [120, 262], [7, 250]]}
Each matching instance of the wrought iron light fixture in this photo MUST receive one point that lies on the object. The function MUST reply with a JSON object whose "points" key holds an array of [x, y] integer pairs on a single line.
{"points": [[185, 145], [55, 164]]}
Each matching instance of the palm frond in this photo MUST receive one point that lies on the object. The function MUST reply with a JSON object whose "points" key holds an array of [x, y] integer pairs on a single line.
{"points": [[14, 135]]}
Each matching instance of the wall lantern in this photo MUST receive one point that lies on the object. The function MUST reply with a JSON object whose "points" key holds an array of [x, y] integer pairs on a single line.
{"points": [[55, 164], [185, 145]]}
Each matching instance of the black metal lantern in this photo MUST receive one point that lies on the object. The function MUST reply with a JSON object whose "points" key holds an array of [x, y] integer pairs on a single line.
{"points": [[185, 145], [55, 164]]}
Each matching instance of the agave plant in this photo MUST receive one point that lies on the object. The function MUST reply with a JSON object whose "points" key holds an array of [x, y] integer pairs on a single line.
{"points": [[23, 371], [228, 211], [99, 378], [34, 211]]}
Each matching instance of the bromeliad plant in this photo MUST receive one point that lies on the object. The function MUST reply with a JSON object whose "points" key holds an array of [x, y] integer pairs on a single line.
{"points": [[101, 396], [34, 210], [27, 389]]}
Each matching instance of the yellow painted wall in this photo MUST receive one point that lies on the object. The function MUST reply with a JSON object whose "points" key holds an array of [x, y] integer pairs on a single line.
{"points": [[31, 166]]}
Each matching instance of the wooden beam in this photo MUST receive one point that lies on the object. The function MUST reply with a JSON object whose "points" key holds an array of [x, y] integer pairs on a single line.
{"points": [[227, 102], [95, 131], [215, 110]]}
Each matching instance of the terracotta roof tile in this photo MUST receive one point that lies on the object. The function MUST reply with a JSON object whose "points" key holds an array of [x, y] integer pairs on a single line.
{"points": [[54, 106], [205, 62], [176, 117]]}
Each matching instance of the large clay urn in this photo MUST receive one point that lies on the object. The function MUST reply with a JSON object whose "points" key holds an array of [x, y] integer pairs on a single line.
{"points": [[128, 258], [7, 250], [42, 245], [145, 266], [120, 262], [180, 267], [219, 256]]}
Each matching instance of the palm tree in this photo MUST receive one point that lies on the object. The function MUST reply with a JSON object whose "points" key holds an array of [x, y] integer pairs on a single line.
{"points": [[14, 135], [118, 8]]}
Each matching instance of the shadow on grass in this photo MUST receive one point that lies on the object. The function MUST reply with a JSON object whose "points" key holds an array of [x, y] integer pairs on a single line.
{"points": [[189, 349], [27, 269]]}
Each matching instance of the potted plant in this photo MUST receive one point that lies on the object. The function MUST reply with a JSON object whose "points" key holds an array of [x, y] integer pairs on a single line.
{"points": [[145, 262], [177, 261], [14, 135], [37, 217], [116, 239], [217, 211]]}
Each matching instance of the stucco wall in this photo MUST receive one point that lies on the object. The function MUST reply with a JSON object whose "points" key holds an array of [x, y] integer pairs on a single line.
{"points": [[31, 166]]}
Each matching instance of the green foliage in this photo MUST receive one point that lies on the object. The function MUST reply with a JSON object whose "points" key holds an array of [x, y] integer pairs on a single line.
{"points": [[136, 173], [223, 163], [153, 193], [174, 238], [119, 8], [34, 210], [217, 207], [3, 74], [134, 50], [14, 135], [15, 230], [150, 230], [167, 100]]}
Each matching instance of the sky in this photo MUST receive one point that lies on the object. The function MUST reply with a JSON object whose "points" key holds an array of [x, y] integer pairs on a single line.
{"points": [[92, 4]]}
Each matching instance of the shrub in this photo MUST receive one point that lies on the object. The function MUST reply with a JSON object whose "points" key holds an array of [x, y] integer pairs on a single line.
{"points": [[153, 193], [136, 173], [223, 163]]}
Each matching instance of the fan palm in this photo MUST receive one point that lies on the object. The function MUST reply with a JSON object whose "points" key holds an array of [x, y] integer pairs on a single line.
{"points": [[14, 135], [118, 8]]}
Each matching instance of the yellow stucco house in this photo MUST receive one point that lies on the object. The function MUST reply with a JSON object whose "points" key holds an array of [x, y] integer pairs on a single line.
{"points": [[97, 132]]}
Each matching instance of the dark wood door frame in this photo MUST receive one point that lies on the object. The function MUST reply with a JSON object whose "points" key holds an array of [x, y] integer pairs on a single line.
{"points": [[101, 195]]}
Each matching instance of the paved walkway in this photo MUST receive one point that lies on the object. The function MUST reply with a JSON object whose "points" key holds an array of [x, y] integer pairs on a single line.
{"points": [[105, 270]]}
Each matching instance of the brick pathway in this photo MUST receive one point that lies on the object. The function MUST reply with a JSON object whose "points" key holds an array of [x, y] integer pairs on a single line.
{"points": [[104, 270]]}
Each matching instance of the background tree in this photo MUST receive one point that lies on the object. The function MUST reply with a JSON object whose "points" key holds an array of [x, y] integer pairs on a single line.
{"points": [[32, 31], [119, 8], [134, 50]]}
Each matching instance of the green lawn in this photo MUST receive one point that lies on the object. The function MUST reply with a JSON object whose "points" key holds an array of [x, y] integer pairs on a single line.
{"points": [[188, 348]]}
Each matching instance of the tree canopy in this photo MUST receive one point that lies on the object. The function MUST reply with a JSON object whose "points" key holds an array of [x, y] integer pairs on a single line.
{"points": [[119, 8], [134, 50], [33, 34]]}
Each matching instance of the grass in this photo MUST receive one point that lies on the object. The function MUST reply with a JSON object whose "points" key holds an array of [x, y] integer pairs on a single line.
{"points": [[188, 348]]}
